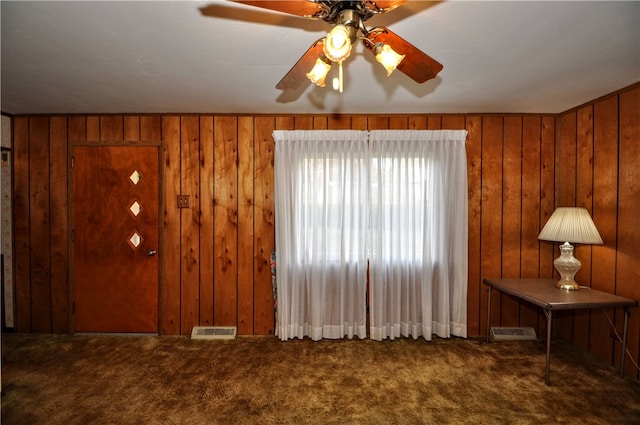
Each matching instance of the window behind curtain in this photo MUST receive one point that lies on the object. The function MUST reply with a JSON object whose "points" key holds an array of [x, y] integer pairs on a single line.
{"points": [[396, 185], [398, 193], [334, 187], [397, 204]]}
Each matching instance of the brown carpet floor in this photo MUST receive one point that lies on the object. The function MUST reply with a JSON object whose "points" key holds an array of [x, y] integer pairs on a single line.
{"points": [[49, 379]]}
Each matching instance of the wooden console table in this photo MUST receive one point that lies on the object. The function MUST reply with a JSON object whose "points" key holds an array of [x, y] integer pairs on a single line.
{"points": [[544, 294]]}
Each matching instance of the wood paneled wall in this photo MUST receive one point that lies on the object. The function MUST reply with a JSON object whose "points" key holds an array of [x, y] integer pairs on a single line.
{"points": [[216, 254], [598, 167]]}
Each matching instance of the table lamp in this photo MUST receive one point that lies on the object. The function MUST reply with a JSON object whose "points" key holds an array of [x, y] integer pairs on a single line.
{"points": [[569, 224]]}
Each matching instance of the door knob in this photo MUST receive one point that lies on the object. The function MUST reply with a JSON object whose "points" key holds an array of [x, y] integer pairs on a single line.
{"points": [[152, 252]]}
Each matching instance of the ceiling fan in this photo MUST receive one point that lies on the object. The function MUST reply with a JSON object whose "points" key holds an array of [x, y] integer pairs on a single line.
{"points": [[348, 18]]}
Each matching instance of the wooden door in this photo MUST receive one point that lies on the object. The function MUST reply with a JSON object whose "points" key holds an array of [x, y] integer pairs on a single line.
{"points": [[115, 238]]}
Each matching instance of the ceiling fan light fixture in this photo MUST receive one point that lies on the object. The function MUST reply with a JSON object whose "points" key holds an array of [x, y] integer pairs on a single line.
{"points": [[319, 72], [337, 46], [348, 19], [388, 57]]}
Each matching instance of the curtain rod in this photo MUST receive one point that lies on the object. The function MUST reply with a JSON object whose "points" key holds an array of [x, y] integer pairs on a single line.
{"points": [[455, 132]]}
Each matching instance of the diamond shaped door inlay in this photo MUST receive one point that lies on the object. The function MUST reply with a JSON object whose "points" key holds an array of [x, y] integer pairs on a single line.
{"points": [[135, 208], [135, 239], [135, 177]]}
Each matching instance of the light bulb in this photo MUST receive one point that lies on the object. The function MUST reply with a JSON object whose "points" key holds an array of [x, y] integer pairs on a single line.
{"points": [[337, 46], [388, 58], [319, 72]]}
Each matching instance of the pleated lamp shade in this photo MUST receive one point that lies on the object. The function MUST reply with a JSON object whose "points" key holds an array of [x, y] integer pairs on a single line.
{"points": [[570, 224]]}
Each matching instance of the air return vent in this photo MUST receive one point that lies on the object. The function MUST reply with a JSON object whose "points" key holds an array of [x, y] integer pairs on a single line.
{"points": [[213, 332], [510, 334]]}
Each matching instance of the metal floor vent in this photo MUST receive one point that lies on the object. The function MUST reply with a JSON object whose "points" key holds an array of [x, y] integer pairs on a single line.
{"points": [[510, 334], [213, 332]]}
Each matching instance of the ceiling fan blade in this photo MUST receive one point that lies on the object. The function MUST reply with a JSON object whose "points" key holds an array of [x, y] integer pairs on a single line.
{"points": [[304, 8], [416, 64], [381, 6], [298, 73]]}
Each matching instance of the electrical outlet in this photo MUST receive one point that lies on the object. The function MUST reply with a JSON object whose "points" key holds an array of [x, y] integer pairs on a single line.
{"points": [[183, 201]]}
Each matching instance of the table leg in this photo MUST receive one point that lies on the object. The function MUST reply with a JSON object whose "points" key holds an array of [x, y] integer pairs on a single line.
{"points": [[624, 342], [549, 315], [488, 312]]}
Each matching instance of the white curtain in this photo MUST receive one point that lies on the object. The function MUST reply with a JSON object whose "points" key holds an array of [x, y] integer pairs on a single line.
{"points": [[321, 218], [398, 204], [418, 251]]}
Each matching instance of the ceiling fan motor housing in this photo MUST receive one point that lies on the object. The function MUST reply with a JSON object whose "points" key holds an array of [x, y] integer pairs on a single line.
{"points": [[359, 10], [351, 20]]}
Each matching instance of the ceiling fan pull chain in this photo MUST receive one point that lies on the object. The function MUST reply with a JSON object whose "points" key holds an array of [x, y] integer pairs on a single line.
{"points": [[340, 75]]}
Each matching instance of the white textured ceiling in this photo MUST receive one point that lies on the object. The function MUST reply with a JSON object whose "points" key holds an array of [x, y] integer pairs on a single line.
{"points": [[221, 57]]}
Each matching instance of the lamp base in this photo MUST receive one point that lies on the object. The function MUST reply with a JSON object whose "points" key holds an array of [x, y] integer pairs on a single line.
{"points": [[567, 265], [568, 285]]}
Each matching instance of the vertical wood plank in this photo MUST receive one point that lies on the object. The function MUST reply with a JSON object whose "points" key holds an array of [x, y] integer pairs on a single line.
{"points": [[40, 222], [378, 122], [289, 123], [474, 169], [419, 122], [171, 252], [567, 154], [547, 191], [628, 237], [399, 122], [320, 122], [359, 122], [190, 222], [566, 197], [337, 122], [59, 238], [605, 178], [530, 226], [511, 212], [547, 201], [584, 186], [434, 122], [111, 128], [453, 122], [303, 122], [264, 226], [207, 242], [246, 234], [22, 224], [150, 128], [491, 214], [225, 220], [131, 128], [92, 128], [77, 128]]}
